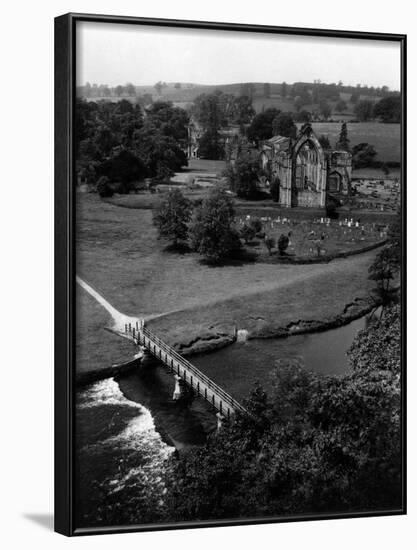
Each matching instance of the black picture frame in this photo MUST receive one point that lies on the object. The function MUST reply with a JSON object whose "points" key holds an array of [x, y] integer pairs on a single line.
{"points": [[65, 48]]}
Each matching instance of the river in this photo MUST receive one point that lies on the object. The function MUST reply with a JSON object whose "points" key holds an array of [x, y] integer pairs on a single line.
{"points": [[239, 365]]}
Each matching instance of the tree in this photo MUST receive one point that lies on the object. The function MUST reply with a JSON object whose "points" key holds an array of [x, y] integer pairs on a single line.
{"points": [[383, 270], [177, 85], [103, 187], [261, 126], [364, 110], [283, 125], [270, 244], [388, 109], [158, 87], [212, 232], [247, 233], [303, 116], [144, 100], [324, 141], [256, 224], [209, 110], [363, 155], [284, 90], [87, 89], [243, 176], [169, 120], [354, 98], [123, 167], [385, 168], [343, 141], [104, 91], [119, 90], [211, 146], [283, 243], [267, 89], [172, 217], [395, 237], [325, 109], [340, 106], [130, 89], [161, 154], [239, 110], [298, 103]]}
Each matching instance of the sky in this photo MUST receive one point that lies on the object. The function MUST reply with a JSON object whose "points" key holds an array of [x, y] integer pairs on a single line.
{"points": [[119, 53]]}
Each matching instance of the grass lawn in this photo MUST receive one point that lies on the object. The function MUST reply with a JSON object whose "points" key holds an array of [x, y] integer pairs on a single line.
{"points": [[209, 166], [96, 347], [119, 253], [309, 292], [384, 137]]}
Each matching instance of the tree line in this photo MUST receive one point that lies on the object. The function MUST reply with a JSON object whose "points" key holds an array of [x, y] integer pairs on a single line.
{"points": [[122, 143]]}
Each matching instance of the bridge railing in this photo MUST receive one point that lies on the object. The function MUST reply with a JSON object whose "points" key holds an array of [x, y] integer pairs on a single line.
{"points": [[228, 399]]}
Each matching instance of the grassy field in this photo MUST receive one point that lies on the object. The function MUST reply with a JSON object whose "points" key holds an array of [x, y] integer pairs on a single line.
{"points": [[384, 137], [119, 253], [296, 293], [96, 347]]}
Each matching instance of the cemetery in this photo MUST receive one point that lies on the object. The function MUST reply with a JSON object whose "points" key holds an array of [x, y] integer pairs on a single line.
{"points": [[314, 237]]}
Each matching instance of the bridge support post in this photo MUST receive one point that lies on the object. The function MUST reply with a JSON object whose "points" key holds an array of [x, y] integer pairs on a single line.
{"points": [[221, 419], [179, 390], [148, 360]]}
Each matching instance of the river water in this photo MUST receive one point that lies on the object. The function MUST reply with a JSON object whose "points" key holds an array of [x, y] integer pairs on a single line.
{"points": [[241, 364], [126, 430]]}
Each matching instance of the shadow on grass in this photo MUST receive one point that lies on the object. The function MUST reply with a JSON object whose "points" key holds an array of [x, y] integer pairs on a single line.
{"points": [[179, 248], [240, 258]]}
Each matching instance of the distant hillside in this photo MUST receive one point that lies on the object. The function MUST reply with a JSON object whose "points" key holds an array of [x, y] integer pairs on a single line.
{"points": [[283, 98]]}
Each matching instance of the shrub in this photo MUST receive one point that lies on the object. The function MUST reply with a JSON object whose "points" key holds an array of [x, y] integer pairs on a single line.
{"points": [[172, 216], [331, 210], [103, 187], [283, 243], [270, 244], [212, 231], [247, 233], [256, 224]]}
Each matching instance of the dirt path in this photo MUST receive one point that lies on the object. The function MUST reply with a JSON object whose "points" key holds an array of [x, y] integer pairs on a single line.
{"points": [[119, 319]]}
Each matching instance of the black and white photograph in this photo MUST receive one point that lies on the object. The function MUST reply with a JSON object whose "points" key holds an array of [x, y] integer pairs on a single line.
{"points": [[238, 207]]}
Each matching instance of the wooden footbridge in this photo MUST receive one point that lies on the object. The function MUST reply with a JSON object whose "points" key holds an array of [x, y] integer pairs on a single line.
{"points": [[184, 371]]}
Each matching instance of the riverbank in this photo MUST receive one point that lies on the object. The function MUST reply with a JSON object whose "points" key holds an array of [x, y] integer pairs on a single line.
{"points": [[211, 341], [336, 295], [321, 300], [206, 344]]}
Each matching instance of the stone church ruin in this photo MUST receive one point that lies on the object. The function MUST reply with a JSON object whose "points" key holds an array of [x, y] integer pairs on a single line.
{"points": [[306, 173]]}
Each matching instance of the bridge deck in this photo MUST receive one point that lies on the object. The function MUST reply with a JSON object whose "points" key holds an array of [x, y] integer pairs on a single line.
{"points": [[191, 375]]}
